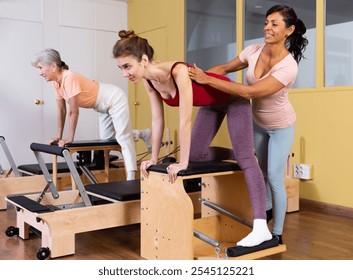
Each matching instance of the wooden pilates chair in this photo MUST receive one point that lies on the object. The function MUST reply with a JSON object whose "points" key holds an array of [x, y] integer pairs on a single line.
{"points": [[169, 229], [87, 208]]}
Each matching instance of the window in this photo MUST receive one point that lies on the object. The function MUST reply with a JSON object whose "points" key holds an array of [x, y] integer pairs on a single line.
{"points": [[338, 43], [255, 15]]}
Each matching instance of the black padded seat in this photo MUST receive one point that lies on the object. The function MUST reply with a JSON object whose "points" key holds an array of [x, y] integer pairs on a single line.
{"points": [[62, 168], [121, 191], [131, 190], [196, 168], [85, 156], [29, 204], [36, 170], [88, 143]]}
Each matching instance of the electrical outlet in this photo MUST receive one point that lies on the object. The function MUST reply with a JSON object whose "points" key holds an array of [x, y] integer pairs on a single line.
{"points": [[303, 171]]}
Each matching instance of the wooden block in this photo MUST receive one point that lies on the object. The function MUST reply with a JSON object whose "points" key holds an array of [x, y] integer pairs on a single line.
{"points": [[292, 190], [292, 186], [293, 204]]}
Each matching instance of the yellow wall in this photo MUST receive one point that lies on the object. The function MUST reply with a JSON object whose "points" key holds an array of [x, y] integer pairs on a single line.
{"points": [[166, 18], [324, 133], [324, 138], [149, 14]]}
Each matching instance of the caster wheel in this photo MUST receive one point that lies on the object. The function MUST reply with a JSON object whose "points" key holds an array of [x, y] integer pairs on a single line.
{"points": [[12, 231], [43, 253]]}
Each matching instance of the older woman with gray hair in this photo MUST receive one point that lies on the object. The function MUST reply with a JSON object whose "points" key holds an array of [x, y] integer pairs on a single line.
{"points": [[110, 101]]}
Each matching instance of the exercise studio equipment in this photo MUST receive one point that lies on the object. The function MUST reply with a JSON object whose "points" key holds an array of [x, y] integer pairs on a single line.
{"points": [[28, 178], [171, 230], [87, 208], [58, 219]]}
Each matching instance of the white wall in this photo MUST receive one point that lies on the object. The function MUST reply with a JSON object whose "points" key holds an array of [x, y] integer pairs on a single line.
{"points": [[84, 32]]}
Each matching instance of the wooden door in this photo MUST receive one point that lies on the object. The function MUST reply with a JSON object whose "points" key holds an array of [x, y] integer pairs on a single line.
{"points": [[20, 116]]}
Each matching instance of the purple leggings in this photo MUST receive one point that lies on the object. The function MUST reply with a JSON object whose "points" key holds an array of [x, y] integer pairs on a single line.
{"points": [[240, 127]]}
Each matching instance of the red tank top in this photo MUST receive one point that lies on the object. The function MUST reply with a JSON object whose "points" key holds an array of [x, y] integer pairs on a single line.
{"points": [[203, 95]]}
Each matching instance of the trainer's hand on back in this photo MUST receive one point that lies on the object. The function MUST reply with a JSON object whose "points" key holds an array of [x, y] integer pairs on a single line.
{"points": [[198, 75]]}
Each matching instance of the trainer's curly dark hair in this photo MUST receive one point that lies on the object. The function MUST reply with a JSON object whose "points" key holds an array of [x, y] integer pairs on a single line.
{"points": [[296, 42], [132, 44]]}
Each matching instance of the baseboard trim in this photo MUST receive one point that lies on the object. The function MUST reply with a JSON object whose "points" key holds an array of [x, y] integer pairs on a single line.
{"points": [[325, 208]]}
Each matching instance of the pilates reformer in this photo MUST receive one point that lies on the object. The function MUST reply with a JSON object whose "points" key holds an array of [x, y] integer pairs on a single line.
{"points": [[169, 229], [28, 178], [91, 207], [59, 218]]}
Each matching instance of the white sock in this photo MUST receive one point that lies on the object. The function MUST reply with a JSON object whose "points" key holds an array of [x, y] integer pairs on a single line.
{"points": [[259, 234], [130, 175], [145, 135], [136, 134]]}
